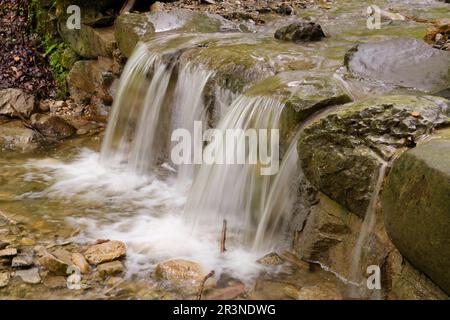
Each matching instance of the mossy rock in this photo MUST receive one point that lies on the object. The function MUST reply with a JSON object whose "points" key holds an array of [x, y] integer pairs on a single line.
{"points": [[341, 152], [416, 205]]}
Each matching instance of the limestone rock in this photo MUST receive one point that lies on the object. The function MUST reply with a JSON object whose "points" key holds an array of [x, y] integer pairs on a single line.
{"points": [[87, 79], [110, 268], [340, 153], [89, 42], [52, 127], [416, 204], [179, 271], [80, 261], [53, 264], [30, 276], [17, 99], [15, 137], [105, 252], [300, 32], [8, 252], [130, 28], [401, 62], [4, 278], [22, 261]]}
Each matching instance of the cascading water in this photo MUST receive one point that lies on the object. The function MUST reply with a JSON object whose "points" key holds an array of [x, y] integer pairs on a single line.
{"points": [[235, 192]]}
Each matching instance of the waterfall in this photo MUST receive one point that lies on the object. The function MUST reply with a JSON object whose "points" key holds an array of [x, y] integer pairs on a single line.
{"points": [[235, 192]]}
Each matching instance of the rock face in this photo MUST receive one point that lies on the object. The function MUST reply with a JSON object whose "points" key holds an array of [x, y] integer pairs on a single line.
{"points": [[130, 28], [401, 62], [15, 100], [416, 202], [105, 252], [341, 153], [300, 32], [52, 127]]}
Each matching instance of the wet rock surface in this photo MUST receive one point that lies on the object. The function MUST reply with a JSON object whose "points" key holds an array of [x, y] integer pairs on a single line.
{"points": [[105, 252], [16, 103], [401, 62]]}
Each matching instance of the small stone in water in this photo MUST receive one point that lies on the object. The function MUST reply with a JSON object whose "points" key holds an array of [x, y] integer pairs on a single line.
{"points": [[271, 259], [179, 270], [105, 252], [4, 279], [29, 276]]}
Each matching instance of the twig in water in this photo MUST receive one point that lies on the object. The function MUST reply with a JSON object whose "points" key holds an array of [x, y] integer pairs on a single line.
{"points": [[224, 237], [202, 285]]}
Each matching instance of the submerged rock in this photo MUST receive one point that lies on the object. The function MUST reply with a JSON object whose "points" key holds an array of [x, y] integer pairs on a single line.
{"points": [[401, 62], [105, 252], [53, 264], [13, 101], [89, 78], [341, 153], [416, 204], [22, 261], [300, 32]]}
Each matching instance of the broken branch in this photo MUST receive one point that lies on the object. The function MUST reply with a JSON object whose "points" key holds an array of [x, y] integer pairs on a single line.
{"points": [[224, 237], [202, 285]]}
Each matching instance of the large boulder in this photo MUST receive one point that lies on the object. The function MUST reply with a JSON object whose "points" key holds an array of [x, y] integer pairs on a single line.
{"points": [[401, 62], [416, 204], [342, 151], [13, 101]]}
